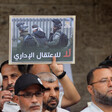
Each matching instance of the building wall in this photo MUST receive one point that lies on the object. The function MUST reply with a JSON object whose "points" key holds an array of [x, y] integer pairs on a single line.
{"points": [[93, 32]]}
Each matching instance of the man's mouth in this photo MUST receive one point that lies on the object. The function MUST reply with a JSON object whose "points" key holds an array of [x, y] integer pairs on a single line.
{"points": [[110, 91], [35, 107], [53, 102], [11, 89]]}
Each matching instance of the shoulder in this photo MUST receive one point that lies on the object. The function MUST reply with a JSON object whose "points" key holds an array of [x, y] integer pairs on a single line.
{"points": [[92, 108]]}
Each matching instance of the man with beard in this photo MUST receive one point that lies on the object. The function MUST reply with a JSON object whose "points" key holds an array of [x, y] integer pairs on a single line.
{"points": [[29, 93], [51, 95], [70, 96], [10, 74], [99, 82]]}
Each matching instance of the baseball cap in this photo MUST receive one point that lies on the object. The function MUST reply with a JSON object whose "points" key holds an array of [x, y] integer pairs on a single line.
{"points": [[25, 81]]}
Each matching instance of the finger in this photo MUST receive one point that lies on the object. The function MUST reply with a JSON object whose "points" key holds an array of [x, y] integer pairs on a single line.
{"points": [[6, 93], [54, 59], [7, 97]]}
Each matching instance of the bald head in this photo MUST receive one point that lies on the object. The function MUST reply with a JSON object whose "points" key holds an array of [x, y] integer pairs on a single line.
{"points": [[47, 76], [37, 68]]}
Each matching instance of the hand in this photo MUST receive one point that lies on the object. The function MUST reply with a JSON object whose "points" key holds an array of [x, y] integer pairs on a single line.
{"points": [[57, 69], [5, 96]]}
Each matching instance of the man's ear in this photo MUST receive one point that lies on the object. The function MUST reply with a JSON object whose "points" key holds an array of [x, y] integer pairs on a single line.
{"points": [[16, 99], [90, 89]]}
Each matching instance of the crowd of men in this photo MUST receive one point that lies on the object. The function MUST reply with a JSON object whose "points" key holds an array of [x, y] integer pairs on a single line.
{"points": [[35, 88]]}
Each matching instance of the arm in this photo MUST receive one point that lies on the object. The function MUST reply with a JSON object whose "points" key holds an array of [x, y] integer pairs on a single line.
{"points": [[71, 95]]}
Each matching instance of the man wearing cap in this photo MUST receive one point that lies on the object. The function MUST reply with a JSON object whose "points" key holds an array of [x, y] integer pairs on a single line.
{"points": [[29, 93]]}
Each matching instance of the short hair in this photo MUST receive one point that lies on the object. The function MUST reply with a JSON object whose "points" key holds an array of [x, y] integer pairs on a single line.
{"points": [[21, 68], [90, 74], [107, 61], [47, 76]]}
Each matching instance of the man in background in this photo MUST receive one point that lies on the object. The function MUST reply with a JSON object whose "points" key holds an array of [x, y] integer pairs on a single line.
{"points": [[10, 74], [51, 95], [99, 82]]}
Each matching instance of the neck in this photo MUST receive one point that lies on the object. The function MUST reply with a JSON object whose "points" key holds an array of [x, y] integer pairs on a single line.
{"points": [[105, 108], [44, 110]]}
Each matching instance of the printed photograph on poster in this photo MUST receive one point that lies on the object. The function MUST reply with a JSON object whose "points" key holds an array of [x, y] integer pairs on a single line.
{"points": [[36, 39]]}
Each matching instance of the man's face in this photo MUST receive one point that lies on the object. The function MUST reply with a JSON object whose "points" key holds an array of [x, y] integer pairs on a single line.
{"points": [[102, 90], [51, 95], [10, 74], [31, 101]]}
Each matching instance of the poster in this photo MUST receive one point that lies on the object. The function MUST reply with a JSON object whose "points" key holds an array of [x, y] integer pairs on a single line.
{"points": [[36, 39]]}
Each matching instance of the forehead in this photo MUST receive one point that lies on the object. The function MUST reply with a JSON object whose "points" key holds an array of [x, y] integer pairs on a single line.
{"points": [[39, 68], [9, 69], [50, 84], [102, 73]]}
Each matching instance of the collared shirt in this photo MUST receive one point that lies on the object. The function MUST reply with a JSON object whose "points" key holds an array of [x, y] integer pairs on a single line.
{"points": [[92, 108], [57, 110]]}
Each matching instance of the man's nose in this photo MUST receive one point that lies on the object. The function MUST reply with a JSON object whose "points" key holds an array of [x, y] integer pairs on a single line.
{"points": [[52, 93], [110, 83], [10, 80], [34, 99]]}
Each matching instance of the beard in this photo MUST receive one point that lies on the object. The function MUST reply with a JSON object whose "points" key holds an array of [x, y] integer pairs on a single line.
{"points": [[52, 106], [102, 98]]}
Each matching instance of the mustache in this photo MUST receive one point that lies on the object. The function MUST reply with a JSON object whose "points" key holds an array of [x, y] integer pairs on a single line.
{"points": [[110, 89], [10, 86], [52, 98], [35, 104]]}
